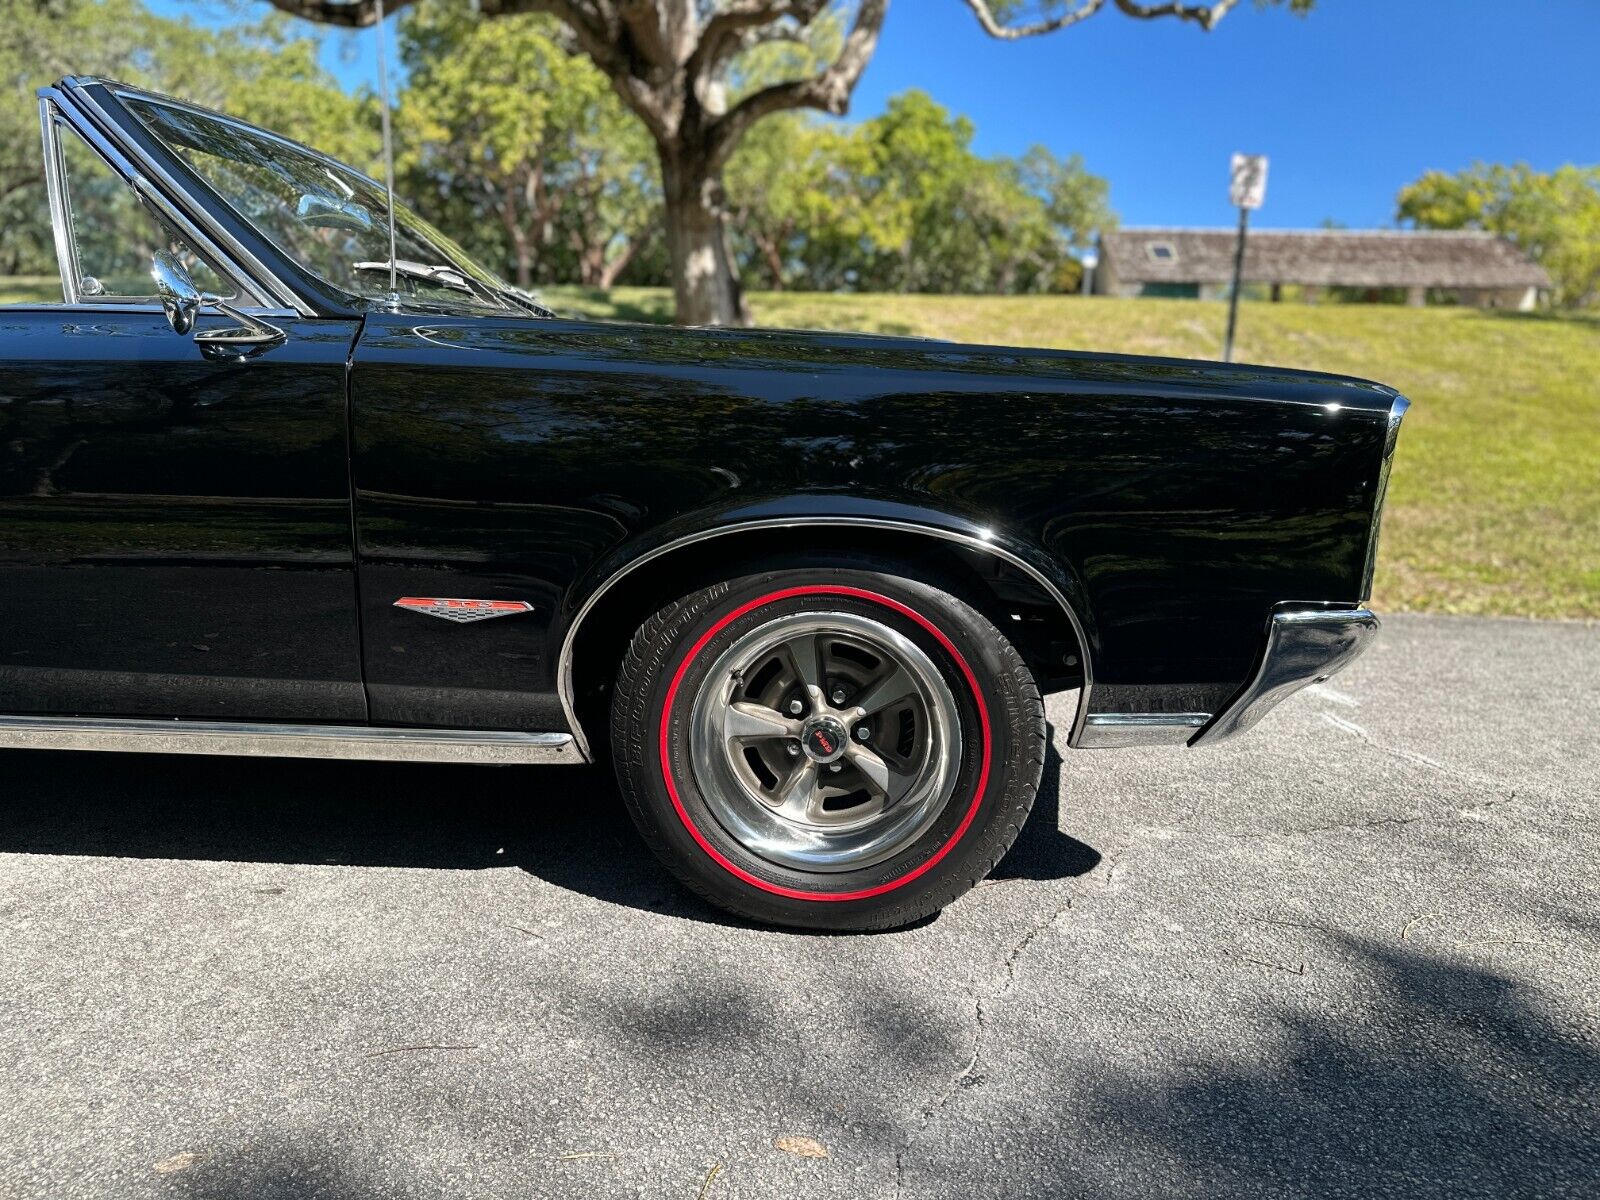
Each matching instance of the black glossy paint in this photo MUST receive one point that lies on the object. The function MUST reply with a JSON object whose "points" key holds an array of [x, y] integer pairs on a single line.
{"points": [[1174, 502], [174, 532]]}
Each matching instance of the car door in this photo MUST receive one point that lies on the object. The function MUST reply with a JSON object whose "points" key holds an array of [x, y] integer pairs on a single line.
{"points": [[175, 534]]}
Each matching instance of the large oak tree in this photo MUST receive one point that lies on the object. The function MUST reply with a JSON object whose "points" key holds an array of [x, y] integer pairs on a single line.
{"points": [[671, 62]]}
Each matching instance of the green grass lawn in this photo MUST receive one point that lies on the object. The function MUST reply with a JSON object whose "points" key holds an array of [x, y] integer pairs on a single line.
{"points": [[1494, 505], [30, 289]]}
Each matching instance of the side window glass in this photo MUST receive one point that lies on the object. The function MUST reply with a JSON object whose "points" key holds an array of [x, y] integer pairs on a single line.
{"points": [[114, 237]]}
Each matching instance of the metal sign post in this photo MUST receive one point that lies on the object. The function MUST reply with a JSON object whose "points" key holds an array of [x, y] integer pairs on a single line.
{"points": [[1248, 190]]}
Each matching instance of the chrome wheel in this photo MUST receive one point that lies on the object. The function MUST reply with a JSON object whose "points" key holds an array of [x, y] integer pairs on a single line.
{"points": [[825, 741]]}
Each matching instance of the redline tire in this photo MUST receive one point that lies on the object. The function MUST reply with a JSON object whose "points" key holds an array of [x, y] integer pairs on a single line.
{"points": [[987, 790]]}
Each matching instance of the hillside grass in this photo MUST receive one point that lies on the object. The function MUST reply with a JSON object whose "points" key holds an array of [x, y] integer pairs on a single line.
{"points": [[1494, 504]]}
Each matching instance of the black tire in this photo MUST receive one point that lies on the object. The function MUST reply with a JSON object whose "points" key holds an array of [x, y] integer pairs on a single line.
{"points": [[1002, 736]]}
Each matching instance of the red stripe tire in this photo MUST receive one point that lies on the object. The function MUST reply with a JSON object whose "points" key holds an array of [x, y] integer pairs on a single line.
{"points": [[921, 801]]}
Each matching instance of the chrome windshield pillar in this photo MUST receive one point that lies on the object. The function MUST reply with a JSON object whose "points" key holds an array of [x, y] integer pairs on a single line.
{"points": [[1304, 646]]}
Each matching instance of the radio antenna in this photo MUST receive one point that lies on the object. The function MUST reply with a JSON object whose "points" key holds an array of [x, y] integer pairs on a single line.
{"points": [[388, 148]]}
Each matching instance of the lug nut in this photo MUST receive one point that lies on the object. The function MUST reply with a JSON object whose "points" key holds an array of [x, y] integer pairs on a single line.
{"points": [[796, 708], [835, 768], [793, 749], [863, 732], [838, 695]]}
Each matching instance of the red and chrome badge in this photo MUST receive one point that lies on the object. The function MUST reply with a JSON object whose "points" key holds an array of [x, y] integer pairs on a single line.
{"points": [[462, 611]]}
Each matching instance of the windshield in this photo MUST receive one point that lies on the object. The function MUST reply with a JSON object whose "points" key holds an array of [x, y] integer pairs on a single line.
{"points": [[330, 219]]}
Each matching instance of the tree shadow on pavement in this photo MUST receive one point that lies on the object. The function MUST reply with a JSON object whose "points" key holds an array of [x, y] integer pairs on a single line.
{"points": [[1421, 1076], [563, 824]]}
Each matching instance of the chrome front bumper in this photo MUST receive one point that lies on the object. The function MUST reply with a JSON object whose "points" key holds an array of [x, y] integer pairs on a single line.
{"points": [[1303, 647]]}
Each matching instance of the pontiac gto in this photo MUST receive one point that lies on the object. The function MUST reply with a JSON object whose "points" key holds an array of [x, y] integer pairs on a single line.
{"points": [[277, 481]]}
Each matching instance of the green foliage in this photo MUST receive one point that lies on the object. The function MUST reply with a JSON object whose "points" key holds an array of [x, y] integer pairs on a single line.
{"points": [[903, 203], [1553, 216], [521, 146], [259, 72]]}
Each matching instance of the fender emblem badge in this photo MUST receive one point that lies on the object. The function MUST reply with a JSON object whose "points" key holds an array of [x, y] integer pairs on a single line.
{"points": [[462, 611]]}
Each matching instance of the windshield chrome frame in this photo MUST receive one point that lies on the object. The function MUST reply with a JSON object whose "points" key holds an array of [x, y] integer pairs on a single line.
{"points": [[513, 302]]}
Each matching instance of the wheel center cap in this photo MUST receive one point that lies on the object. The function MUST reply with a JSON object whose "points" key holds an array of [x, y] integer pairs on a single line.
{"points": [[824, 739]]}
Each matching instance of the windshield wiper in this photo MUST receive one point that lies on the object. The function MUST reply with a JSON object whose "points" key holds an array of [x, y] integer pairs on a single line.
{"points": [[450, 277], [447, 277]]}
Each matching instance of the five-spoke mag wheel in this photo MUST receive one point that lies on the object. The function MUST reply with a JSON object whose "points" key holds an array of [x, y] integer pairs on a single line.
{"points": [[826, 745], [825, 740]]}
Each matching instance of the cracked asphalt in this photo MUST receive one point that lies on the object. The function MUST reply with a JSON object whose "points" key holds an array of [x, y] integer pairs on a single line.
{"points": [[1353, 954]]}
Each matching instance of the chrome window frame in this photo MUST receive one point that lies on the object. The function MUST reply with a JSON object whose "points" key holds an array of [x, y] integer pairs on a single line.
{"points": [[53, 113]]}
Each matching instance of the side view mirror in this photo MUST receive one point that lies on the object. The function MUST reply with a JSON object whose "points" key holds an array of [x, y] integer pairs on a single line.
{"points": [[182, 301]]}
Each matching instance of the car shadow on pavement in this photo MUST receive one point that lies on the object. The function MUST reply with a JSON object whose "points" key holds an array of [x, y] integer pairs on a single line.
{"points": [[565, 825]]}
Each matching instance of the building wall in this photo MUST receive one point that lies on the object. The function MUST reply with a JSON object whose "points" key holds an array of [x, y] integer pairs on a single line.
{"points": [[1108, 282], [1515, 299]]}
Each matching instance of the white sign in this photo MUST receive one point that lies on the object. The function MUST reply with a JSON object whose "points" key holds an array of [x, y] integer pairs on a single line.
{"points": [[1249, 186]]}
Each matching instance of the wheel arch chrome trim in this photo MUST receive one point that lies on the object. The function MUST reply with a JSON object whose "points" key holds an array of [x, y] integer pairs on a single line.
{"points": [[564, 665]]}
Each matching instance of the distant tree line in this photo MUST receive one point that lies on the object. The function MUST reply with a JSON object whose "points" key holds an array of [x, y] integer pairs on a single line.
{"points": [[512, 138], [522, 150], [1553, 216]]}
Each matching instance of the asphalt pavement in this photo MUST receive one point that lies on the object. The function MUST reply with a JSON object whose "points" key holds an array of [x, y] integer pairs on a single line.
{"points": [[1355, 953]]}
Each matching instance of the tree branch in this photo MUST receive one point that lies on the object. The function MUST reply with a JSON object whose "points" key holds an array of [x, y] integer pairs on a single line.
{"points": [[739, 25], [994, 28], [828, 91], [649, 28], [1204, 15]]}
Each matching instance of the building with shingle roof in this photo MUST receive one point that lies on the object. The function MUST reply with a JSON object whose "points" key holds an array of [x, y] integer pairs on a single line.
{"points": [[1470, 266]]}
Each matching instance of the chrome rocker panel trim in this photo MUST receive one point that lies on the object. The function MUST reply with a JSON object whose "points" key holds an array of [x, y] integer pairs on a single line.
{"points": [[359, 742], [1303, 647], [1115, 731]]}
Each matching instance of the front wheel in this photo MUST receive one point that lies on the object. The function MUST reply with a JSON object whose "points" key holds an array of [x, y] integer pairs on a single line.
{"points": [[827, 747]]}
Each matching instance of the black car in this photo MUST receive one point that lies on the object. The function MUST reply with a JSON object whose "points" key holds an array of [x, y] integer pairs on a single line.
{"points": [[272, 483]]}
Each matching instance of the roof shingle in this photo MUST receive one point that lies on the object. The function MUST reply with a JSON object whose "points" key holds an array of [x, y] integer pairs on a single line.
{"points": [[1334, 257]]}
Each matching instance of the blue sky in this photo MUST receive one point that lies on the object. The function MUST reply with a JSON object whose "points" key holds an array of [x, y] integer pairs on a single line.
{"points": [[1351, 102]]}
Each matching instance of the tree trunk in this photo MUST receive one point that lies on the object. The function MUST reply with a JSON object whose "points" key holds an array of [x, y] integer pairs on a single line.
{"points": [[524, 263], [619, 264], [705, 284]]}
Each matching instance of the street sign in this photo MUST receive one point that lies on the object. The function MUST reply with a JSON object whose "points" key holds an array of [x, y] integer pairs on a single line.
{"points": [[1249, 188], [1247, 191]]}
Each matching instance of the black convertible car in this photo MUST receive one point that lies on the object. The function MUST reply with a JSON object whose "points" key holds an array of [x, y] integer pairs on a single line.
{"points": [[272, 483]]}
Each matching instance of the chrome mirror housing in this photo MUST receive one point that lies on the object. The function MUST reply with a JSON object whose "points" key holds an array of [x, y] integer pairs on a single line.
{"points": [[180, 299]]}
